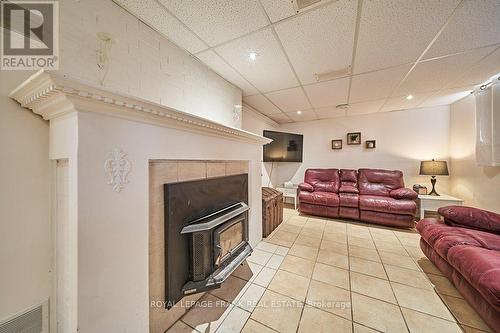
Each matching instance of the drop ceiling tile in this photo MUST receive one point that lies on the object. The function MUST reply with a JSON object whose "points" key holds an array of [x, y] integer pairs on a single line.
{"points": [[447, 96], [395, 32], [218, 21], [320, 40], [281, 118], [155, 15], [401, 103], [278, 9], [475, 24], [328, 93], [290, 100], [306, 115], [212, 60], [330, 112], [364, 107], [480, 72], [433, 75], [261, 104], [269, 71], [376, 85]]}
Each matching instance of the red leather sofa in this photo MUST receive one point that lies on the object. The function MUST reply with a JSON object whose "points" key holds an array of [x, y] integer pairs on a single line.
{"points": [[466, 249], [370, 195]]}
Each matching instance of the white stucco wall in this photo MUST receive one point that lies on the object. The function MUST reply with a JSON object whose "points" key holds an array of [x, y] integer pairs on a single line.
{"points": [[404, 138], [25, 204]]}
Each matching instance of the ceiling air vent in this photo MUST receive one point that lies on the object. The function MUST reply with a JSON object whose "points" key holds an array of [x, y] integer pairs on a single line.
{"points": [[333, 74], [302, 4]]}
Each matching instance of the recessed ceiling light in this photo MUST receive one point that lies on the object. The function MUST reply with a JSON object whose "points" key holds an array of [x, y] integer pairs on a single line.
{"points": [[252, 56], [409, 97], [299, 112]]}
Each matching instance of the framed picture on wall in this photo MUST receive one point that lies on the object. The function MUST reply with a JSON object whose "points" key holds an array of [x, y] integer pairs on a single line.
{"points": [[354, 138], [371, 144], [337, 144]]}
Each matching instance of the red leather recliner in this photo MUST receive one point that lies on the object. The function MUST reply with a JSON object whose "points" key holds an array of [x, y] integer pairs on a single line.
{"points": [[383, 198], [466, 249], [370, 195], [319, 192]]}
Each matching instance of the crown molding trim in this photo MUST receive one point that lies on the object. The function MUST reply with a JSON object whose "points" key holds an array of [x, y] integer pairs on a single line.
{"points": [[51, 96]]}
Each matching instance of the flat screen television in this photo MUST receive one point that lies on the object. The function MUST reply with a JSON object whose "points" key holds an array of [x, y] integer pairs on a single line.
{"points": [[286, 147]]}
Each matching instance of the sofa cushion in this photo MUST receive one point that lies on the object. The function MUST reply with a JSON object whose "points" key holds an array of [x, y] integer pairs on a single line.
{"points": [[348, 189], [387, 205], [349, 178], [348, 175], [481, 268], [379, 182], [324, 180], [320, 198], [442, 237], [470, 217]]}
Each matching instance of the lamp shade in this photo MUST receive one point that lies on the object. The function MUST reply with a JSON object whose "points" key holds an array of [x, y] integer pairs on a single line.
{"points": [[434, 168]]}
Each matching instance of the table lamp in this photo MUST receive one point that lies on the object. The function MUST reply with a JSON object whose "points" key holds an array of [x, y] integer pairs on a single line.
{"points": [[434, 168]]}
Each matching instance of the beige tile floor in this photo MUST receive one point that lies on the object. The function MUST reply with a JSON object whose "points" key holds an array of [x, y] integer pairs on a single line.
{"points": [[327, 275]]}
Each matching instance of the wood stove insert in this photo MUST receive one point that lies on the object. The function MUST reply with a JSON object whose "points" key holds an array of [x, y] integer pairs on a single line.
{"points": [[206, 233]]}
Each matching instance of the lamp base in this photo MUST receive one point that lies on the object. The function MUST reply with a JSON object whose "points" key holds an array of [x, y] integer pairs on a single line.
{"points": [[433, 182]]}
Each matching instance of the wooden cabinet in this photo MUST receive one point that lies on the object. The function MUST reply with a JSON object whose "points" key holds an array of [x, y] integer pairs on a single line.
{"points": [[272, 210]]}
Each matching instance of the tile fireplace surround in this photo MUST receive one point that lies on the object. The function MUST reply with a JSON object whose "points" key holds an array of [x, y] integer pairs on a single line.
{"points": [[163, 172], [112, 144]]}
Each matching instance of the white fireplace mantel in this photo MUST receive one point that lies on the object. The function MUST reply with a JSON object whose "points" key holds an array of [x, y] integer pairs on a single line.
{"points": [[101, 218], [51, 95]]}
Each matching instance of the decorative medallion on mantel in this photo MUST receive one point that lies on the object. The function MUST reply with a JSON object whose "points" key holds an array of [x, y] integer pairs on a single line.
{"points": [[51, 95], [237, 113], [117, 168]]}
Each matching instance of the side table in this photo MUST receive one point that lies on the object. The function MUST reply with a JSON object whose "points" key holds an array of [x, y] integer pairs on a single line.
{"points": [[433, 203], [289, 192]]}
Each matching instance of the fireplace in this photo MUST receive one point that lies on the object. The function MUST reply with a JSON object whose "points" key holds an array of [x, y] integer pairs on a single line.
{"points": [[206, 233]]}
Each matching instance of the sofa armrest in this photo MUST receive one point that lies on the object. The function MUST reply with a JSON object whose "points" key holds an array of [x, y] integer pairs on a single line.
{"points": [[472, 218], [403, 193], [306, 187]]}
